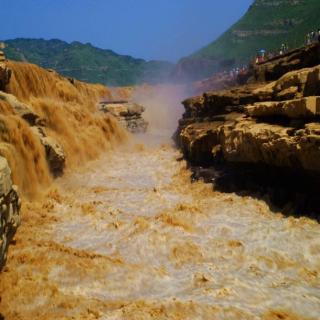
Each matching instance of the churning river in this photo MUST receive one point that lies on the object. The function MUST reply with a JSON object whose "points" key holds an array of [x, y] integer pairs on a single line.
{"points": [[130, 237]]}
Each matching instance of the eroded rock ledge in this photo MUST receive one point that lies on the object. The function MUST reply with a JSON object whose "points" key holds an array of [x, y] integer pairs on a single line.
{"points": [[273, 127]]}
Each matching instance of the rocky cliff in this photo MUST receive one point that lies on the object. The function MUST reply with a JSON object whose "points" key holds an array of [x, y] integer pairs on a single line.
{"points": [[268, 127]]}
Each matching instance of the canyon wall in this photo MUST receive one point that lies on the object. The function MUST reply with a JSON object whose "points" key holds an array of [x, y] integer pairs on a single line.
{"points": [[269, 127]]}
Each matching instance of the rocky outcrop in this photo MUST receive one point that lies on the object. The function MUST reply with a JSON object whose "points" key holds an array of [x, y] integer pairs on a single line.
{"points": [[54, 152], [293, 85], [5, 72], [244, 140], [9, 209], [128, 114], [303, 108], [273, 127], [249, 120]]}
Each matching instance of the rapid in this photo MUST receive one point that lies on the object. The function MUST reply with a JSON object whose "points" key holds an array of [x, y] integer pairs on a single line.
{"points": [[129, 236]]}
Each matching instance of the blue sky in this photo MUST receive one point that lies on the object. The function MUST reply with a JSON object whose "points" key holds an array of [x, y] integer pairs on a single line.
{"points": [[149, 29]]}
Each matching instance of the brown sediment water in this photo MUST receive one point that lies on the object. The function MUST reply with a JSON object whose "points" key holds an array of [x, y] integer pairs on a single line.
{"points": [[68, 110], [128, 236], [24, 153]]}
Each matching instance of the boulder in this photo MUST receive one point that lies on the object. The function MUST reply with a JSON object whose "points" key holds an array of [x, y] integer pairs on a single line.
{"points": [[9, 209], [128, 114], [54, 152]]}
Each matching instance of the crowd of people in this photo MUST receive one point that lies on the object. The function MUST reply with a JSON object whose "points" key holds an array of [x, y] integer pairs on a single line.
{"points": [[237, 71], [262, 56], [312, 37]]}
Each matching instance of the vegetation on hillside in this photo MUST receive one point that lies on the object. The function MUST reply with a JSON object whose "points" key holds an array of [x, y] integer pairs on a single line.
{"points": [[86, 62], [266, 25]]}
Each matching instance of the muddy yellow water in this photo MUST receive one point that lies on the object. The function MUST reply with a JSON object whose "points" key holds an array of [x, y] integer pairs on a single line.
{"points": [[130, 237]]}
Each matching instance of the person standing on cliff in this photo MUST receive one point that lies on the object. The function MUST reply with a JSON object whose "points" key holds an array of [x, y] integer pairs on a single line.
{"points": [[307, 39]]}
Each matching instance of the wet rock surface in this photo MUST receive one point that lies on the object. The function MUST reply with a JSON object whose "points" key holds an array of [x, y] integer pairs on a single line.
{"points": [[9, 209], [128, 114], [54, 152]]}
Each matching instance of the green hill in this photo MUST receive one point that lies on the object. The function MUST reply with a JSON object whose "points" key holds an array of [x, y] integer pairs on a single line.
{"points": [[86, 62], [266, 25]]}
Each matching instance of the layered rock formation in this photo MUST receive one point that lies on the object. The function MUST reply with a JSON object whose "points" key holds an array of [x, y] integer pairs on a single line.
{"points": [[275, 117], [270, 125], [128, 114], [9, 209]]}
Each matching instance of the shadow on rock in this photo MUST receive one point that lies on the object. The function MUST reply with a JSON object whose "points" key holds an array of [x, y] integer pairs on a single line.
{"points": [[292, 193]]}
